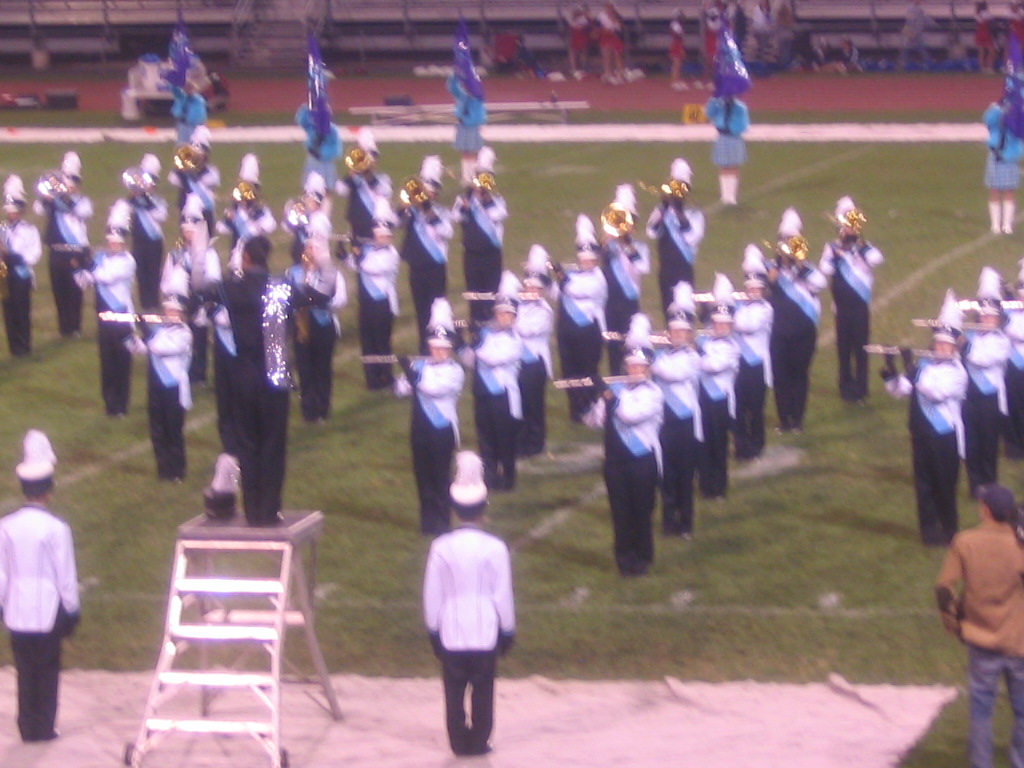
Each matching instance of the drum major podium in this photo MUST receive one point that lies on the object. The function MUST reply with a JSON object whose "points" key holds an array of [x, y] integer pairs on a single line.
{"points": [[234, 592]]}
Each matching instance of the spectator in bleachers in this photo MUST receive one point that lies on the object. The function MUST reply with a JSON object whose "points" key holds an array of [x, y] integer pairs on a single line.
{"points": [[581, 29], [736, 15], [984, 36], [1017, 22], [842, 59], [914, 27], [763, 27], [711, 23], [612, 43], [677, 51], [785, 32]]}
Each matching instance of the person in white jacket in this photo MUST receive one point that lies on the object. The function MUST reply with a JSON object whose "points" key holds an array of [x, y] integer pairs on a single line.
{"points": [[38, 590], [469, 610]]}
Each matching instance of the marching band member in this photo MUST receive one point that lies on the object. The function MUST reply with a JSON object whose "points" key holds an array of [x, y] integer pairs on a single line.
{"points": [[794, 298], [259, 307], [437, 384], [850, 262], [425, 249], [1014, 330], [534, 324], [1002, 166], [719, 363], [112, 272], [676, 369], [21, 248], [985, 357], [497, 402], [482, 213], [678, 229], [246, 216], [168, 347], [66, 210], [936, 387], [193, 174], [363, 186], [753, 328], [377, 263], [149, 211], [583, 293], [307, 214], [319, 291], [624, 262], [632, 453]]}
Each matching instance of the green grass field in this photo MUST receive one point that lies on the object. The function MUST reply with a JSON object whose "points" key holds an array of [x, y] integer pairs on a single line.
{"points": [[740, 601]]}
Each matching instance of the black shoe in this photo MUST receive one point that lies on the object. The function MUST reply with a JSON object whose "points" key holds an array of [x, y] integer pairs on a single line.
{"points": [[269, 522]]}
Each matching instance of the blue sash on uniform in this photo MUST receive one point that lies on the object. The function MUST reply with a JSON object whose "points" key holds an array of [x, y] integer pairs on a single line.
{"points": [[750, 357], [67, 233], [108, 297], [427, 404], [148, 223], [200, 189], [675, 403], [852, 278], [803, 302], [365, 194], [670, 220], [373, 290], [419, 224], [577, 315], [479, 214], [162, 371], [629, 290]]}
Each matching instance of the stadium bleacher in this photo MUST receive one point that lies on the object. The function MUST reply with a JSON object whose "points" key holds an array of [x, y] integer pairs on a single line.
{"points": [[265, 32]]}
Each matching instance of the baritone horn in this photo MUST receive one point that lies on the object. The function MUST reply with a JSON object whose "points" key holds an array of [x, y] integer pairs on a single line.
{"points": [[853, 220], [187, 158], [485, 181], [617, 220], [413, 192], [246, 192], [672, 188], [794, 248], [51, 184], [358, 160]]}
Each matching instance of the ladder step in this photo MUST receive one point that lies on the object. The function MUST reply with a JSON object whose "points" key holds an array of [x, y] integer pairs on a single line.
{"points": [[222, 679], [229, 586], [224, 632], [209, 726], [292, 618]]}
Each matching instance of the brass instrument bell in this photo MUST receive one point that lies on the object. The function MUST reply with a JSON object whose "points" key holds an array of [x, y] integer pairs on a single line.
{"points": [[51, 184], [187, 158], [246, 192], [413, 192], [298, 214], [853, 220], [137, 180], [617, 220], [485, 180], [358, 160], [795, 248]]}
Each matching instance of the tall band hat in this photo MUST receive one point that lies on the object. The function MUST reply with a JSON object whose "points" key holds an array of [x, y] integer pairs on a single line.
{"points": [[990, 292], [441, 325], [586, 237], [38, 463], [638, 341], [14, 194], [71, 166], [468, 492], [119, 222], [754, 269], [315, 186], [536, 267], [507, 297], [951, 320], [725, 304], [681, 311], [431, 171]]}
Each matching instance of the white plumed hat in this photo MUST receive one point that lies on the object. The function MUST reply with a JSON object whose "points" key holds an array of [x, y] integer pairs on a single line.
{"points": [[681, 171], [485, 160], [249, 169], [38, 460], [625, 196], [150, 164], [14, 193], [431, 170], [468, 490], [586, 235], [315, 185], [791, 224], [71, 165]]}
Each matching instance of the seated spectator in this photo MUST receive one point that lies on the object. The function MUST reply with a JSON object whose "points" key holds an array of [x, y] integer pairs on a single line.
{"points": [[842, 59]]}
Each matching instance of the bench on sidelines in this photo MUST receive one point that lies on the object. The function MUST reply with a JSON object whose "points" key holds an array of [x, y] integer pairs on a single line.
{"points": [[389, 114]]}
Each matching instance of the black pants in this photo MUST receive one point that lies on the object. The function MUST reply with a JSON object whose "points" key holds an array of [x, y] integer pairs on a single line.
{"points": [[474, 670], [148, 255], [314, 359], [115, 367], [37, 659], [618, 318], [497, 435], [224, 387], [431, 465], [1015, 405], [197, 369], [714, 454], [853, 327], [483, 273], [427, 283], [261, 419], [673, 269], [748, 432], [936, 474], [791, 366], [166, 429], [632, 486], [533, 379], [579, 350], [983, 423], [66, 293], [375, 325], [18, 315], [679, 451]]}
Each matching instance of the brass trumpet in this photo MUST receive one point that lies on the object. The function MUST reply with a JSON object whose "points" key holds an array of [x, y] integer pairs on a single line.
{"points": [[246, 192], [297, 215], [794, 248], [137, 180], [853, 220], [671, 188], [188, 159], [485, 181]]}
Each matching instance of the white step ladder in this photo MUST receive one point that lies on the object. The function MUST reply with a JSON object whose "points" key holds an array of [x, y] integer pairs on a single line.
{"points": [[224, 634]]}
